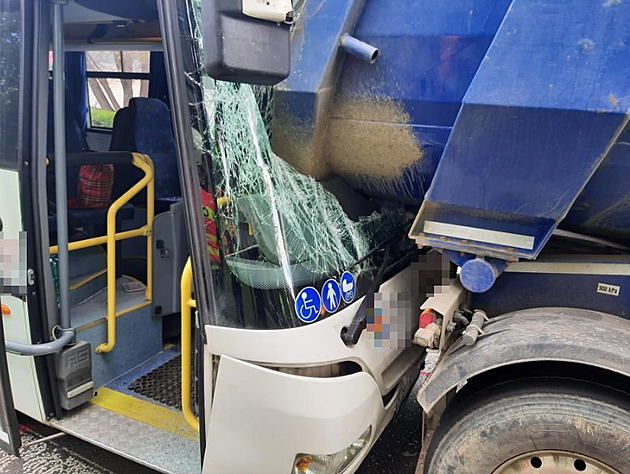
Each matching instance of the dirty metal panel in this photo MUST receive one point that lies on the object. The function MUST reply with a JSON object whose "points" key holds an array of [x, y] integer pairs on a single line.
{"points": [[583, 283], [302, 101], [158, 449], [603, 207], [544, 109], [342, 116]]}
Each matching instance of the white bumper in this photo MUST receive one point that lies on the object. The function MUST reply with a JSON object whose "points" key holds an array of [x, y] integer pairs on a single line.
{"points": [[261, 418]]}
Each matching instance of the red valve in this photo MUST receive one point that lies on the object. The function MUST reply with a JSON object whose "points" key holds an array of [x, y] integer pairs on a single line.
{"points": [[427, 317]]}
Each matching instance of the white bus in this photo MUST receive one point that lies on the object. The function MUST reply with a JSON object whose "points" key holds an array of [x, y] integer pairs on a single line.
{"points": [[120, 161]]}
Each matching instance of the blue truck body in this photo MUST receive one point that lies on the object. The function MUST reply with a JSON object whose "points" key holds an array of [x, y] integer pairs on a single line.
{"points": [[502, 120]]}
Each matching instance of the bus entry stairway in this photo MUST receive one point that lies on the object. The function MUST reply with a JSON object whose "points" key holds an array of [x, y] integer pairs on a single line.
{"points": [[138, 331], [138, 416]]}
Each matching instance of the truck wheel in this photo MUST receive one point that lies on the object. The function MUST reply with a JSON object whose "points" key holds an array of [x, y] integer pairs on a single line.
{"points": [[535, 426]]}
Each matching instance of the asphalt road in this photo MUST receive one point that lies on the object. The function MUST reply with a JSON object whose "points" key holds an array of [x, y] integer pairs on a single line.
{"points": [[398, 448], [395, 452]]}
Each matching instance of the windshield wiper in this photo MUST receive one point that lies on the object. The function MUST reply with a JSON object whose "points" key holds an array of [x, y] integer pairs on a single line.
{"points": [[351, 334]]}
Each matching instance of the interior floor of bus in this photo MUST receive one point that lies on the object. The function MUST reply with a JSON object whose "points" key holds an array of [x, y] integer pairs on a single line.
{"points": [[138, 330], [137, 415]]}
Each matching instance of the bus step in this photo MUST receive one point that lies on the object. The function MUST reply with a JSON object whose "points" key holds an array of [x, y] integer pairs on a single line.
{"points": [[83, 287], [163, 384], [138, 332]]}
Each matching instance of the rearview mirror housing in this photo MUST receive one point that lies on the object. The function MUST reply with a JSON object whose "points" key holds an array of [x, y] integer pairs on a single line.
{"points": [[244, 41]]}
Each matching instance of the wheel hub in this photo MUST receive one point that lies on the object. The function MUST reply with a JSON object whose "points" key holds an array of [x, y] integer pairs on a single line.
{"points": [[553, 462]]}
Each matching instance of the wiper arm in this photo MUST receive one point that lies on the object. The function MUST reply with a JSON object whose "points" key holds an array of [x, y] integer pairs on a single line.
{"points": [[351, 334]]}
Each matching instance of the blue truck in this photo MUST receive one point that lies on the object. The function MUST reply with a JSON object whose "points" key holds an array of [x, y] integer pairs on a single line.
{"points": [[235, 232]]}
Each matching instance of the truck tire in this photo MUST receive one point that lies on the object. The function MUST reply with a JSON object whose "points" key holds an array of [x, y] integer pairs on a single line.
{"points": [[551, 425]]}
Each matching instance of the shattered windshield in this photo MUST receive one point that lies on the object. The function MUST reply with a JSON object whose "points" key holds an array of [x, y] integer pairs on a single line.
{"points": [[284, 252]]}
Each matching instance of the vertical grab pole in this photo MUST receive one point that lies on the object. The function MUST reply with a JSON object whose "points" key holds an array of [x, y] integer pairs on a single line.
{"points": [[150, 215], [187, 303], [61, 194], [145, 164], [111, 278]]}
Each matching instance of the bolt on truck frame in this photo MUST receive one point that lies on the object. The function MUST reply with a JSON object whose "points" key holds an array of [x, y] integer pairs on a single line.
{"points": [[492, 131]]}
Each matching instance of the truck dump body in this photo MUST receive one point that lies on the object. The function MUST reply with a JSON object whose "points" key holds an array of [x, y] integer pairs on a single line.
{"points": [[504, 119], [342, 116]]}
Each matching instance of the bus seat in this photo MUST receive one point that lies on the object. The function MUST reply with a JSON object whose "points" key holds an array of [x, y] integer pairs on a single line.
{"points": [[93, 222], [76, 142], [145, 127], [121, 139]]}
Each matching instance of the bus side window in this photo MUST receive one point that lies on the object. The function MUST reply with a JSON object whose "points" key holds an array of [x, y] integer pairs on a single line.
{"points": [[114, 78]]}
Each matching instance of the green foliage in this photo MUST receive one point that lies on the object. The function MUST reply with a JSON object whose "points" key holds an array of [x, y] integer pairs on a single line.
{"points": [[101, 118]]}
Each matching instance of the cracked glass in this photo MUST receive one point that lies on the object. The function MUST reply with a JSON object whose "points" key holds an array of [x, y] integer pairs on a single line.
{"points": [[270, 230]]}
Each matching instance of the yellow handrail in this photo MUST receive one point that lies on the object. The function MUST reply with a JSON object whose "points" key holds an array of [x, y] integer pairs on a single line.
{"points": [[94, 241], [187, 303], [146, 165]]}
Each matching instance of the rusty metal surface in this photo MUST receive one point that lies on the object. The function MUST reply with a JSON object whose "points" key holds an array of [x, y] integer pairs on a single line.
{"points": [[553, 462]]}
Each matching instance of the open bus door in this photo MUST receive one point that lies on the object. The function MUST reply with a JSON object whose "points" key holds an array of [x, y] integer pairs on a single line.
{"points": [[9, 435], [16, 36], [274, 392], [262, 42]]}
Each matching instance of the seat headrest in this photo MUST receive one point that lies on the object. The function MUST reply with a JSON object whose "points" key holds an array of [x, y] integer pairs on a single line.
{"points": [[145, 127], [153, 128], [121, 138]]}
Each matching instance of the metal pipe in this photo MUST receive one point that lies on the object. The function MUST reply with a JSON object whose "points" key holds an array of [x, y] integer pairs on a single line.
{"points": [[364, 51], [145, 164], [474, 328], [150, 216], [94, 241], [60, 163], [44, 439], [46, 348], [479, 274], [186, 345]]}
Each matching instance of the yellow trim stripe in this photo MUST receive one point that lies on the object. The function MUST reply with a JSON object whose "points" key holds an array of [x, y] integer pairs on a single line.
{"points": [[119, 314], [145, 412], [88, 279]]}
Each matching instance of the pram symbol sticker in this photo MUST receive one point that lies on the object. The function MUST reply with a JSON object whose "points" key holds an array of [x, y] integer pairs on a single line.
{"points": [[331, 295], [308, 304], [348, 287]]}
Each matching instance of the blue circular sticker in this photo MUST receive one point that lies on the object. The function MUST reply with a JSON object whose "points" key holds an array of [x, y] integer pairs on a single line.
{"points": [[308, 304], [331, 295], [348, 287]]}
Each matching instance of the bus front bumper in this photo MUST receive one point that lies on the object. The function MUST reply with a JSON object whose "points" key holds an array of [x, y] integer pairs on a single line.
{"points": [[261, 419]]}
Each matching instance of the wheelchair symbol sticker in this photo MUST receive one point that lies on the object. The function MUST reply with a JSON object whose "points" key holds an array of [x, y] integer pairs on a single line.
{"points": [[331, 294], [348, 287], [308, 304]]}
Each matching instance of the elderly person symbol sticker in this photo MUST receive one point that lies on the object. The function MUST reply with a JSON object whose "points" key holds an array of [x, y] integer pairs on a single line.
{"points": [[331, 295]]}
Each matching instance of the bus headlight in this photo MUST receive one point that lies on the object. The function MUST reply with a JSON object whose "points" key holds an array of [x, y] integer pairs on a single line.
{"points": [[330, 463]]}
